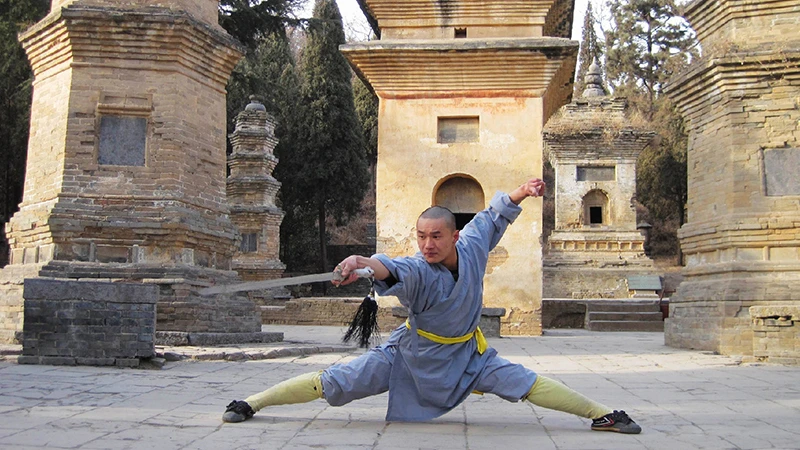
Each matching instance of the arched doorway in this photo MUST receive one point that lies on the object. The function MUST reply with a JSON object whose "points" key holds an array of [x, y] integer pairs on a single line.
{"points": [[462, 195], [595, 208]]}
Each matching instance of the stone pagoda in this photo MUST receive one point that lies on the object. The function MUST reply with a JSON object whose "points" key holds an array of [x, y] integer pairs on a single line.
{"points": [[251, 194], [741, 288], [465, 87], [126, 162], [593, 145]]}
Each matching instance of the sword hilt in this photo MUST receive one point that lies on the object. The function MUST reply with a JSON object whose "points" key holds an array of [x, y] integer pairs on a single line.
{"points": [[366, 272]]}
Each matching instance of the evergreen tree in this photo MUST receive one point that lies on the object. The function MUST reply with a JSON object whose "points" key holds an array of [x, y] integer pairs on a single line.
{"points": [[647, 43], [15, 101], [366, 103], [661, 179], [250, 20], [331, 176], [590, 51]]}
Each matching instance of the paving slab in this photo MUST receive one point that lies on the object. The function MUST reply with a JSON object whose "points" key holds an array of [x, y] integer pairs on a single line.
{"points": [[683, 400]]}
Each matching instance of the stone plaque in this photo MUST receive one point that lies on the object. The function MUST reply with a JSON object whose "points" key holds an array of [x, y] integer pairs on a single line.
{"points": [[122, 141], [454, 130], [782, 171], [589, 173]]}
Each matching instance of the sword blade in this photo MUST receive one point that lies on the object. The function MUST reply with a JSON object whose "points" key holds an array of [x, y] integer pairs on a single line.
{"points": [[254, 285]]}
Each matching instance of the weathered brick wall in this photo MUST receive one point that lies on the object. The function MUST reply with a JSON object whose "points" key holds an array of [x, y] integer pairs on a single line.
{"points": [[11, 301], [174, 205], [85, 322], [205, 10], [742, 239], [585, 282], [776, 333]]}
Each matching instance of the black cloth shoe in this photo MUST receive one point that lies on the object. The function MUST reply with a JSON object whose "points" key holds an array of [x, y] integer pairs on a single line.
{"points": [[616, 421], [237, 411]]}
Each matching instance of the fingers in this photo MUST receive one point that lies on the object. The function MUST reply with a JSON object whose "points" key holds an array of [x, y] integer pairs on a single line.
{"points": [[344, 273], [534, 187]]}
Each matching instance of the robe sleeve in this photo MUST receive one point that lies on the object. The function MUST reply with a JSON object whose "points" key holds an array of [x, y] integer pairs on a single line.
{"points": [[489, 225], [408, 280]]}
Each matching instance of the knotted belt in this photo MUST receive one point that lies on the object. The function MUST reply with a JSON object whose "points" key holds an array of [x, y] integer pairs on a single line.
{"points": [[477, 334]]}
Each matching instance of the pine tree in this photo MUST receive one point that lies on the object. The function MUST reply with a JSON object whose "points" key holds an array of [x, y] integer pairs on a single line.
{"points": [[366, 103], [15, 101], [648, 41], [250, 20], [590, 51], [331, 176]]}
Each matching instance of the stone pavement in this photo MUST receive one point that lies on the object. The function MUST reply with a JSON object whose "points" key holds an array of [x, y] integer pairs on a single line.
{"points": [[683, 400]]}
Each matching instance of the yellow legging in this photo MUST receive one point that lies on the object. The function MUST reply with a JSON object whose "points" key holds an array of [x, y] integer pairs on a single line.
{"points": [[545, 392], [300, 389], [551, 394]]}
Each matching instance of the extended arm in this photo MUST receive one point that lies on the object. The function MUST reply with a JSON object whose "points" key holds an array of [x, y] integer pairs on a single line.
{"points": [[488, 226], [353, 262]]}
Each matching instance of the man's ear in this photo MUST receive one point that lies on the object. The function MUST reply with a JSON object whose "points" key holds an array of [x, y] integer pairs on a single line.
{"points": [[455, 237]]}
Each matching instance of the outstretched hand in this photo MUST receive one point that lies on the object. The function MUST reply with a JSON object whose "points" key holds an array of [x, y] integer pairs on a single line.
{"points": [[531, 188], [345, 271]]}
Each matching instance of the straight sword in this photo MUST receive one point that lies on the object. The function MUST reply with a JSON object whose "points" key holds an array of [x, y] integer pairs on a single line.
{"points": [[366, 272]]}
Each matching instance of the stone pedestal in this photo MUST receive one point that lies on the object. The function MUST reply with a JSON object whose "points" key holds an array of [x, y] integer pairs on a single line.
{"points": [[742, 239], [88, 323], [126, 162], [464, 89]]}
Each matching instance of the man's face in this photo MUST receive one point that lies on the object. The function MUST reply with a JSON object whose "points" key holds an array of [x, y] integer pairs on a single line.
{"points": [[437, 241]]}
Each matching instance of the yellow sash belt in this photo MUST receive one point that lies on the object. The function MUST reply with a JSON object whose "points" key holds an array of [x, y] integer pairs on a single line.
{"points": [[478, 334]]}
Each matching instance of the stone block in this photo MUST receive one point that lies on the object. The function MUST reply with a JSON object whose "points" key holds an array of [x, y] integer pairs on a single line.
{"points": [[67, 319], [126, 362]]}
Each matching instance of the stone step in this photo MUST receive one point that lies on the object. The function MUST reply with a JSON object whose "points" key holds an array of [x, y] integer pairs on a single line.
{"points": [[650, 316], [649, 306], [613, 325]]}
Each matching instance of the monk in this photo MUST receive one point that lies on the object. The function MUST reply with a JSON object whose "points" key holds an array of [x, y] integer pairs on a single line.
{"points": [[438, 357]]}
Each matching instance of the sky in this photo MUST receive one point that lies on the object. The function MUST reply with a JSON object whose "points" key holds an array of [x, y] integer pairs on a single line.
{"points": [[356, 26]]}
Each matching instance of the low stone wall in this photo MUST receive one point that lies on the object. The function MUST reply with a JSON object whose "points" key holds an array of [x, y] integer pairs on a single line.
{"points": [[340, 311], [563, 313], [587, 282], [323, 312], [88, 323]]}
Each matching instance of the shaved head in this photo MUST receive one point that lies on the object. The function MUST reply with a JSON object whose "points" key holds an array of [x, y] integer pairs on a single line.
{"points": [[440, 213]]}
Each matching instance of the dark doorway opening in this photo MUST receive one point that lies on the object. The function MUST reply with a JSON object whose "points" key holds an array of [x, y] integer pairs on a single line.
{"points": [[596, 215], [462, 219]]}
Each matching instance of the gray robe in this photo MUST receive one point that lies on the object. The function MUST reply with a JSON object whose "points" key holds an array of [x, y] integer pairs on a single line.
{"points": [[427, 379]]}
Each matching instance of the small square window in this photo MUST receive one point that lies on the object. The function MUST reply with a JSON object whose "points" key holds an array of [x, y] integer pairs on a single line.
{"points": [[122, 141], [460, 33], [249, 243], [453, 130]]}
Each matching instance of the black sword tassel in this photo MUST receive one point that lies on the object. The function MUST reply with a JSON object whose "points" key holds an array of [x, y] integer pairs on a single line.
{"points": [[365, 321]]}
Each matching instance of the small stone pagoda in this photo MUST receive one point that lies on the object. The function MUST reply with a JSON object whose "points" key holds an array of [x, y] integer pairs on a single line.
{"points": [[251, 192], [465, 87], [741, 289], [593, 144]]}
